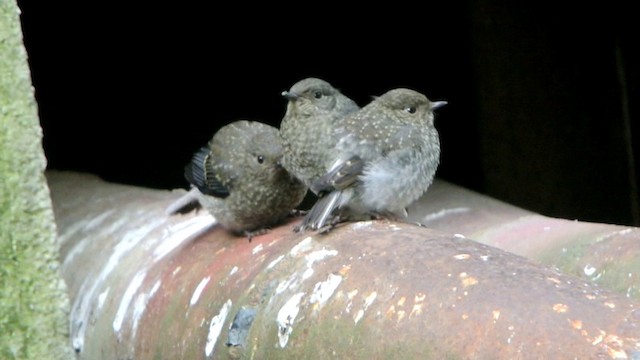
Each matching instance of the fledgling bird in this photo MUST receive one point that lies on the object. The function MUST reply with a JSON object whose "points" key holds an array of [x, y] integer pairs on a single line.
{"points": [[314, 109], [241, 181], [385, 158]]}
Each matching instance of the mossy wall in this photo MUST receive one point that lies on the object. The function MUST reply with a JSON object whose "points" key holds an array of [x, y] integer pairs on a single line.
{"points": [[33, 298]]}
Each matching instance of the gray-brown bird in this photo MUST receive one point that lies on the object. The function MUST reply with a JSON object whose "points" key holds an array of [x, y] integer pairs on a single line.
{"points": [[241, 181], [314, 110], [385, 158]]}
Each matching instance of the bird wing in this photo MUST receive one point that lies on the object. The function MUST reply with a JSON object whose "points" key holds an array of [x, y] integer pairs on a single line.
{"points": [[199, 172], [341, 176]]}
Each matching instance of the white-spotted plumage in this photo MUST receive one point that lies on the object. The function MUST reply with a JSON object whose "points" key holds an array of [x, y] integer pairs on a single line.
{"points": [[398, 146]]}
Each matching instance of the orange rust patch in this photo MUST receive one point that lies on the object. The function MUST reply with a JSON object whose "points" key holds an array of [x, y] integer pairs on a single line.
{"points": [[560, 308]]}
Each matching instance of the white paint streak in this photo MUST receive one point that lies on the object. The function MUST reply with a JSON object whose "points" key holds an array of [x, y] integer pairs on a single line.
{"points": [[303, 246], [70, 233], [102, 297], [368, 300], [589, 270], [176, 270], [316, 256], [83, 304], [177, 235], [198, 290], [286, 318], [615, 233], [319, 255], [445, 212], [275, 262], [284, 285], [361, 225], [257, 249], [77, 248], [307, 274], [140, 306], [323, 290], [233, 271], [134, 285], [293, 280], [215, 327], [155, 288], [93, 223]]}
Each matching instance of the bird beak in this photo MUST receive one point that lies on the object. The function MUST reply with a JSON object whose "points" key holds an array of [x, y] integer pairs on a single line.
{"points": [[438, 104], [290, 95]]}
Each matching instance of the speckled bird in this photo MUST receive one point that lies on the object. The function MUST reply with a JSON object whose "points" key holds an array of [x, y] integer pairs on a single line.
{"points": [[385, 158], [314, 109], [241, 181]]}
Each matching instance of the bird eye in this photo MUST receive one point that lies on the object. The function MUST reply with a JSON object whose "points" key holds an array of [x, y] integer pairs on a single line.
{"points": [[410, 109], [317, 94], [260, 159]]}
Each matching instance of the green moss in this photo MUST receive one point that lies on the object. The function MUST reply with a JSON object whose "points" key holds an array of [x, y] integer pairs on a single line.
{"points": [[616, 272], [33, 303]]}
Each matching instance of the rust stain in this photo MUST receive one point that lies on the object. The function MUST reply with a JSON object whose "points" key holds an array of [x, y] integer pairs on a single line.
{"points": [[576, 324], [614, 340], [496, 315], [617, 354], [390, 312], [560, 308], [612, 344], [554, 280], [344, 271], [467, 280]]}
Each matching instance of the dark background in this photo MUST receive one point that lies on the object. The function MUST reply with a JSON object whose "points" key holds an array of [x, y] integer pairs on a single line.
{"points": [[542, 100]]}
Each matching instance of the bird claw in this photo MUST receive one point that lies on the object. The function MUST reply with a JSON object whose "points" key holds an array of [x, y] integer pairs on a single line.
{"points": [[330, 225], [251, 234], [324, 229]]}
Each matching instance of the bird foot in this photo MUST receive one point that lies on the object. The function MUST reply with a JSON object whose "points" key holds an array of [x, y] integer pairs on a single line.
{"points": [[251, 234]]}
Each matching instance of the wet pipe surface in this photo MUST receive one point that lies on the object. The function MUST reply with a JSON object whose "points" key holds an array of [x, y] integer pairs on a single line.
{"points": [[147, 285]]}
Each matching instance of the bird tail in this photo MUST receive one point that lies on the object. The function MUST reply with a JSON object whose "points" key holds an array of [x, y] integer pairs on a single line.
{"points": [[195, 171], [322, 211]]}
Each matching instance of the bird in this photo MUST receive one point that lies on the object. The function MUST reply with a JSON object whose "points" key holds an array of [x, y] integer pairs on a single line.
{"points": [[314, 109], [240, 180], [385, 158]]}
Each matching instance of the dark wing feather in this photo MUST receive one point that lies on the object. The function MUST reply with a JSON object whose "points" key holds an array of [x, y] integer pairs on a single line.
{"points": [[199, 173], [339, 178]]}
